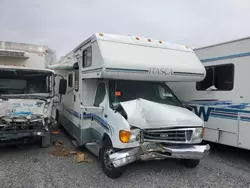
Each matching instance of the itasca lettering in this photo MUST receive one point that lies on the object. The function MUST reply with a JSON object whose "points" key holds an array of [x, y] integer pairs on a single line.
{"points": [[162, 71]]}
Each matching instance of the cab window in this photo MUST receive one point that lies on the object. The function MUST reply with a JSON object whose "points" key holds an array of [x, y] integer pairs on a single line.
{"points": [[100, 94]]}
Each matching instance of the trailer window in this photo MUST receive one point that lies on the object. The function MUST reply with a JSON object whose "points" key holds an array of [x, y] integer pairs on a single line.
{"points": [[70, 80], [220, 76], [87, 57], [100, 94]]}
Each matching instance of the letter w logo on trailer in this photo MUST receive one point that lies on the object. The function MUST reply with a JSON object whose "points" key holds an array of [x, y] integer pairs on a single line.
{"points": [[205, 111]]}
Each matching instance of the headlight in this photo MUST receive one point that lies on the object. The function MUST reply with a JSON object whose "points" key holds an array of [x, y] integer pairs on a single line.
{"points": [[134, 135], [198, 133]]}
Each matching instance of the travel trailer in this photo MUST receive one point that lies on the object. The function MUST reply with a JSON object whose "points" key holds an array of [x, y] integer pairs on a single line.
{"points": [[26, 93], [222, 99], [115, 103]]}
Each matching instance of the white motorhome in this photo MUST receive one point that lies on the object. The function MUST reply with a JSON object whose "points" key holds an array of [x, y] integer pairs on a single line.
{"points": [[115, 103], [26, 93], [222, 99]]}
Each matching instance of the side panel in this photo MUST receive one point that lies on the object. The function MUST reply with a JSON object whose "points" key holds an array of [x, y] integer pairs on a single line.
{"points": [[211, 135], [34, 60], [244, 132], [221, 126]]}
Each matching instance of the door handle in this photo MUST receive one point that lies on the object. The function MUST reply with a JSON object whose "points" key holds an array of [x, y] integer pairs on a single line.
{"points": [[74, 98], [105, 115]]}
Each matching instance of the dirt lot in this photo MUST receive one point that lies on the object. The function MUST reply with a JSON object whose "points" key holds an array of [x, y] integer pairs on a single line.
{"points": [[30, 166]]}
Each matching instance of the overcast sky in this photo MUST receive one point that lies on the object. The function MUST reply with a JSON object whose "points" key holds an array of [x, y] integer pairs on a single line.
{"points": [[63, 24]]}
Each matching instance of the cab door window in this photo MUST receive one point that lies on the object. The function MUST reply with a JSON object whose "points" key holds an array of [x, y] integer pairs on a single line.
{"points": [[100, 94]]}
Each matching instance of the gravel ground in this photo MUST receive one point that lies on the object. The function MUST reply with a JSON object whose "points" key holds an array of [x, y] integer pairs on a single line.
{"points": [[30, 166]]}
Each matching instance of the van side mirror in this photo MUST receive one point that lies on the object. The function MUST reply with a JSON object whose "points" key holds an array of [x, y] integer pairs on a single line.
{"points": [[62, 86]]}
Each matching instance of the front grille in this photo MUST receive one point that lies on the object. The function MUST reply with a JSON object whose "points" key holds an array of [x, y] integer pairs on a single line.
{"points": [[168, 135]]}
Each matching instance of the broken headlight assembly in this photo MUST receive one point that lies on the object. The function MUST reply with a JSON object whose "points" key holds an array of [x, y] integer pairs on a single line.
{"points": [[45, 109], [135, 135], [198, 134]]}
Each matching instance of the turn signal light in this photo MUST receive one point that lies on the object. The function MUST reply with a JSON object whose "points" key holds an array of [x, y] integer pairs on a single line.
{"points": [[124, 136], [203, 132]]}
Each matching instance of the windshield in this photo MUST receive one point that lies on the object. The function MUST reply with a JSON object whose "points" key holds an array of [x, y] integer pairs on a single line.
{"points": [[26, 83], [121, 90]]}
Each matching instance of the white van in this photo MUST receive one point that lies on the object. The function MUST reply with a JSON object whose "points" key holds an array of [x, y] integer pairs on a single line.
{"points": [[222, 99], [115, 103]]}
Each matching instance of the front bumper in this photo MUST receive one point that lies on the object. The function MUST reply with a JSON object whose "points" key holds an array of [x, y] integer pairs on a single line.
{"points": [[13, 135], [158, 152]]}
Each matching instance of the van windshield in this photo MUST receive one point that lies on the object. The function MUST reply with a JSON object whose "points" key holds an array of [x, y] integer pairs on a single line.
{"points": [[122, 90], [26, 83]]}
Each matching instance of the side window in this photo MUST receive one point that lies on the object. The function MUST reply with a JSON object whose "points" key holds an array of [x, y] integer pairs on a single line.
{"points": [[100, 94], [224, 77], [87, 57], [70, 80], [221, 77]]}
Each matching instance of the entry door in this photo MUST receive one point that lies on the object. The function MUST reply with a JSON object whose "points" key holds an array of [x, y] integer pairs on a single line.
{"points": [[97, 124]]}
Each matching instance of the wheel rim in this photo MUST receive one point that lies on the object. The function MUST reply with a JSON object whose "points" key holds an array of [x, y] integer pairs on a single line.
{"points": [[107, 162]]}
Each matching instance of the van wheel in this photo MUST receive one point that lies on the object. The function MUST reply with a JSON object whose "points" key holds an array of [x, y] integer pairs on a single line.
{"points": [[190, 163], [46, 140], [107, 167]]}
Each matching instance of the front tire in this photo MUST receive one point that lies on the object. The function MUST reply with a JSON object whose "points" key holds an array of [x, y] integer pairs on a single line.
{"points": [[190, 163], [107, 167]]}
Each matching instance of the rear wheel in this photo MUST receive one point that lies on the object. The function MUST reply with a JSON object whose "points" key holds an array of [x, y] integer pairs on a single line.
{"points": [[190, 163], [107, 166]]}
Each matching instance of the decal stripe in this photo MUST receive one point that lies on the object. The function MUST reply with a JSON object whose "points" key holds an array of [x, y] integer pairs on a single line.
{"points": [[188, 73], [226, 57], [225, 110], [127, 70], [98, 119]]}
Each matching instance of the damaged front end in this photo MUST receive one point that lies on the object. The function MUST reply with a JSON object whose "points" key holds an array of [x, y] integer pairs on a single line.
{"points": [[157, 151], [163, 131], [13, 127]]}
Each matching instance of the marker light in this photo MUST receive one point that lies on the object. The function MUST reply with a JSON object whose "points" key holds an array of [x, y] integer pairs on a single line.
{"points": [[118, 93], [137, 38], [100, 34], [124, 136], [160, 42], [149, 40], [203, 132]]}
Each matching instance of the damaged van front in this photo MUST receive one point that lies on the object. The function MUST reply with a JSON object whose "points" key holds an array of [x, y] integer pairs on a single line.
{"points": [[26, 105], [153, 125]]}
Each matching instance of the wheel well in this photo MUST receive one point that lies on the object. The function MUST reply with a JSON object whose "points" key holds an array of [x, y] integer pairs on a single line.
{"points": [[105, 138]]}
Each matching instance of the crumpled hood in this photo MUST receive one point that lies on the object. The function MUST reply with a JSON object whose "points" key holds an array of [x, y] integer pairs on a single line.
{"points": [[146, 114], [21, 107]]}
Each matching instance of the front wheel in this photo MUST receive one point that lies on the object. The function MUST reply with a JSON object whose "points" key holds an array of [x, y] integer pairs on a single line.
{"points": [[190, 163], [107, 166]]}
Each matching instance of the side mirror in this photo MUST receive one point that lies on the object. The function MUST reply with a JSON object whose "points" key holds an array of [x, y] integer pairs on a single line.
{"points": [[56, 99], [62, 86]]}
